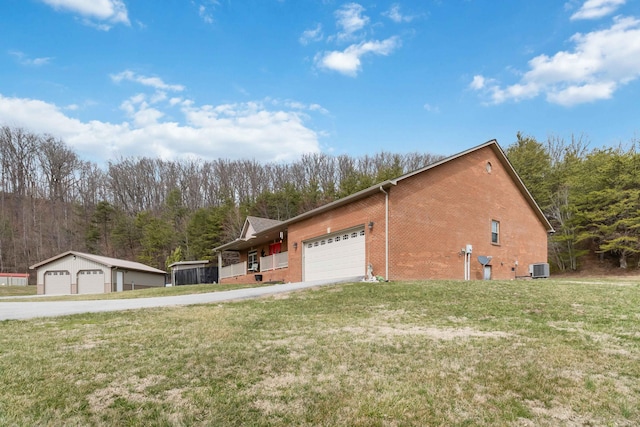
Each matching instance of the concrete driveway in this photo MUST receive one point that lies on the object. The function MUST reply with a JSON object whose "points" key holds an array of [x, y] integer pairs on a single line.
{"points": [[33, 309]]}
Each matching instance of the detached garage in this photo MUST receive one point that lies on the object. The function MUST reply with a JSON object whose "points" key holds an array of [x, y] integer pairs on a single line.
{"points": [[79, 273]]}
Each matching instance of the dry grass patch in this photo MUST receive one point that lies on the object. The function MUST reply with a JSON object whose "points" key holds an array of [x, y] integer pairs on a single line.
{"points": [[420, 353]]}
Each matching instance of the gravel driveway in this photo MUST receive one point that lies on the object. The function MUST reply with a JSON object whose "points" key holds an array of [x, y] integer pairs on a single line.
{"points": [[33, 309]]}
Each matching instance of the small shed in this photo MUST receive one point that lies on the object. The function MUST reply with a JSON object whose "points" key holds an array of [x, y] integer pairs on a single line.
{"points": [[193, 273], [14, 279], [80, 273]]}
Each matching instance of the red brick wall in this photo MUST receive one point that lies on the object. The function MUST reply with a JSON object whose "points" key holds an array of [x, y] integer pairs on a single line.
{"points": [[358, 213], [435, 214], [432, 216]]}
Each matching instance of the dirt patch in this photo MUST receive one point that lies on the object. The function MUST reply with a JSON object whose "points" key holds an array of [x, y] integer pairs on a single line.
{"points": [[442, 334], [269, 394], [132, 389], [560, 415]]}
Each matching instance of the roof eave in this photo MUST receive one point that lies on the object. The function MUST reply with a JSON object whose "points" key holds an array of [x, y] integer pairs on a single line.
{"points": [[329, 206]]}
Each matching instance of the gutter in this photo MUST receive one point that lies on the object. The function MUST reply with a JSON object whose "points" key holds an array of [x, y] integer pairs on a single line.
{"points": [[386, 230]]}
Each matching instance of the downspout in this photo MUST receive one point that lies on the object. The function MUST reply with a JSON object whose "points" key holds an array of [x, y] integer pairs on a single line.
{"points": [[386, 233], [219, 266]]}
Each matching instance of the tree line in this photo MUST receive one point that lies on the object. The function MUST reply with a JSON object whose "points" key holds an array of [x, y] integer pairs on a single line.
{"points": [[590, 196], [157, 211]]}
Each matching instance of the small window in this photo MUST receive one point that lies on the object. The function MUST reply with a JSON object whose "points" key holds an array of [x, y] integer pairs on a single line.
{"points": [[309, 246], [337, 238], [362, 232], [495, 232], [324, 242], [345, 237], [354, 235], [329, 240], [315, 244]]}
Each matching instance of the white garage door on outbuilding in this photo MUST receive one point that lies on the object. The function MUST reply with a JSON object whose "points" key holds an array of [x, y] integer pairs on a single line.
{"points": [[74, 272], [91, 282], [57, 282], [335, 255]]}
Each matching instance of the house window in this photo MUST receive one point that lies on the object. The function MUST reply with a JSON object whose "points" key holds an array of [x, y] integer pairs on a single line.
{"points": [[252, 261], [495, 232]]}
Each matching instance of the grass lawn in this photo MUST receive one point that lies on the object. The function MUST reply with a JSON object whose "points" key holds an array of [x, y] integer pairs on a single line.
{"points": [[520, 353], [144, 293], [12, 291]]}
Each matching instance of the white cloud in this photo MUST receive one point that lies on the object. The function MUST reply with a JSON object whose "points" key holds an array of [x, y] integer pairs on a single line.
{"points": [[594, 9], [154, 82], [477, 83], [109, 11], [395, 15], [311, 35], [599, 64], [23, 59], [431, 108], [350, 19], [241, 130], [349, 61], [205, 15], [353, 28], [205, 10]]}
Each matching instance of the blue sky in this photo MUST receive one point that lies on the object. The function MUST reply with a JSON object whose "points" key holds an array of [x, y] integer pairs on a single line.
{"points": [[273, 79]]}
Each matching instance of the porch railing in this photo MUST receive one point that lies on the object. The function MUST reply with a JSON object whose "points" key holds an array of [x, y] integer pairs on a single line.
{"points": [[239, 269], [275, 261]]}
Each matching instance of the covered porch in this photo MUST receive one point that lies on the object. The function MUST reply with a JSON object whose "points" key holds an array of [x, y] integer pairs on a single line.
{"points": [[264, 270], [262, 258]]}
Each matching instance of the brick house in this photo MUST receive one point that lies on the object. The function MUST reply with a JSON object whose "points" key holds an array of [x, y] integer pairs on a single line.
{"points": [[468, 216]]}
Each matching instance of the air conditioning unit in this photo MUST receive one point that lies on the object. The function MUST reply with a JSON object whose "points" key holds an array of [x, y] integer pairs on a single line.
{"points": [[539, 270]]}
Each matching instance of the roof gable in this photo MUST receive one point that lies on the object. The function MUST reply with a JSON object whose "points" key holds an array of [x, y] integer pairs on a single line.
{"points": [[492, 144], [254, 225], [385, 185]]}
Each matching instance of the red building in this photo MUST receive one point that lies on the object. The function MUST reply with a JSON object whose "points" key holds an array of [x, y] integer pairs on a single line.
{"points": [[468, 216]]}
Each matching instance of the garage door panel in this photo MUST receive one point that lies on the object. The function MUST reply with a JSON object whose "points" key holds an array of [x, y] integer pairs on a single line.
{"points": [[335, 256], [91, 282], [57, 283]]}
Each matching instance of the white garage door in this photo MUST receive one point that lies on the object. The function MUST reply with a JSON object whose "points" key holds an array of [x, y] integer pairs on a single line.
{"points": [[335, 256], [57, 283], [91, 282]]}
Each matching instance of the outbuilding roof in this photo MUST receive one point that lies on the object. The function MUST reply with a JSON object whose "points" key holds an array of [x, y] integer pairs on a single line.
{"points": [[201, 262], [106, 261]]}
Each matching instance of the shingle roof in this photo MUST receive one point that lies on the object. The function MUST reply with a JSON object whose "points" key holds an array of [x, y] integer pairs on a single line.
{"points": [[260, 224], [492, 144]]}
